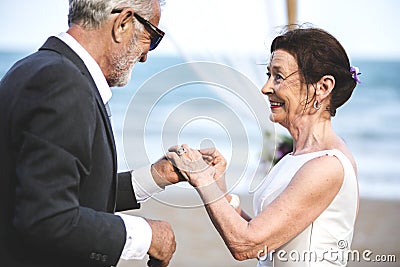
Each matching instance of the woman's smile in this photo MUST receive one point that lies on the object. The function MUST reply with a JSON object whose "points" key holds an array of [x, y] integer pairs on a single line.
{"points": [[276, 104]]}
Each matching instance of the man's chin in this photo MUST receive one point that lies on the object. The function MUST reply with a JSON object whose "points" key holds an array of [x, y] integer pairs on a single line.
{"points": [[121, 81]]}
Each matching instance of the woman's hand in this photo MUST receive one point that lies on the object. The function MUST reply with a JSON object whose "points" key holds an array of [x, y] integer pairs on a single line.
{"points": [[191, 165], [214, 158]]}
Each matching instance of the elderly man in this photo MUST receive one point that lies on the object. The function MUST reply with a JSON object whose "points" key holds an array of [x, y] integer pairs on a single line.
{"points": [[59, 186]]}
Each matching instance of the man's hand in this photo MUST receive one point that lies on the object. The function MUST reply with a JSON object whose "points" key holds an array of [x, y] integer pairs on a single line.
{"points": [[164, 173], [163, 244]]}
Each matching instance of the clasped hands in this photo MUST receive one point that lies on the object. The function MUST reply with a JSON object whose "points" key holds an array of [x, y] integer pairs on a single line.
{"points": [[182, 163], [198, 167]]}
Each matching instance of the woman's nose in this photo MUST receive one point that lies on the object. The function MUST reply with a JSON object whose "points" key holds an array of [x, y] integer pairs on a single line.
{"points": [[267, 89]]}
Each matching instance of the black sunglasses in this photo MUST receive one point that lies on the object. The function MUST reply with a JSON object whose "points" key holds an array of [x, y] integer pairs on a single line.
{"points": [[156, 34]]}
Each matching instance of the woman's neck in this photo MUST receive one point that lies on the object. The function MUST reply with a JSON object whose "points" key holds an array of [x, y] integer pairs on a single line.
{"points": [[310, 136]]}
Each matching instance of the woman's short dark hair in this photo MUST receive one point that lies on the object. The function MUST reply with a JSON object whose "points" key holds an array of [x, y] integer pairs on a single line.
{"points": [[318, 53]]}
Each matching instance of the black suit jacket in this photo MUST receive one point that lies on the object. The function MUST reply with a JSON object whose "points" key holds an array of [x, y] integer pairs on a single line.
{"points": [[58, 170]]}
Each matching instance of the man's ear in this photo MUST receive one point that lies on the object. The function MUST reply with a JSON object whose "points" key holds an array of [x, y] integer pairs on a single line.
{"points": [[123, 24], [324, 87]]}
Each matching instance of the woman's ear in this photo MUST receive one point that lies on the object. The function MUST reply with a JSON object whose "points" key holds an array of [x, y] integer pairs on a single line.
{"points": [[123, 24], [324, 87]]}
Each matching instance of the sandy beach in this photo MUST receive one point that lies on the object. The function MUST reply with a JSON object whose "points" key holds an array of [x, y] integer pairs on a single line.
{"points": [[198, 243]]}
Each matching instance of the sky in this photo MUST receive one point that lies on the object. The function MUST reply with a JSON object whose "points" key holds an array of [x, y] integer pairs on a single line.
{"points": [[366, 28]]}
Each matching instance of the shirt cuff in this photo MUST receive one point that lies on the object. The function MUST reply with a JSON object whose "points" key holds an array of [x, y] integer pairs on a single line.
{"points": [[138, 237], [143, 183]]}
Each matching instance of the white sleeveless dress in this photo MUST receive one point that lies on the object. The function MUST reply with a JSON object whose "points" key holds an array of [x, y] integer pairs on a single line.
{"points": [[326, 242]]}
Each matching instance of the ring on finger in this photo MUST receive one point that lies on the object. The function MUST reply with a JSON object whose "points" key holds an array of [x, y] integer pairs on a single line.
{"points": [[181, 150]]}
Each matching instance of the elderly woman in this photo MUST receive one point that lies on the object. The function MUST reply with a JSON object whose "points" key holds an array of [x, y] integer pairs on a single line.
{"points": [[306, 209]]}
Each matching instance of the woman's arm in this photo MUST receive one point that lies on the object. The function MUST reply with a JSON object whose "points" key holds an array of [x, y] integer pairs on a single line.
{"points": [[214, 158], [310, 192]]}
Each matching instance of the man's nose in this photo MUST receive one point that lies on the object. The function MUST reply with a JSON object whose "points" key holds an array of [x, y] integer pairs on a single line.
{"points": [[143, 58]]}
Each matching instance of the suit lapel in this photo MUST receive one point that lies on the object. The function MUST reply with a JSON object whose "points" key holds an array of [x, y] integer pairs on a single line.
{"points": [[55, 44]]}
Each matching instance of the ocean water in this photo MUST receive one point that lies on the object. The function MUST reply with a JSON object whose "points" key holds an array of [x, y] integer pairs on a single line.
{"points": [[369, 122]]}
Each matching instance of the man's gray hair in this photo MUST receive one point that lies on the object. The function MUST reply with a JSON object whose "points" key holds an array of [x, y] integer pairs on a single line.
{"points": [[91, 14]]}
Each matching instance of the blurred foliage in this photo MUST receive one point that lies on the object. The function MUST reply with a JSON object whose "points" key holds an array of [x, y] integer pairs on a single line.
{"points": [[283, 145]]}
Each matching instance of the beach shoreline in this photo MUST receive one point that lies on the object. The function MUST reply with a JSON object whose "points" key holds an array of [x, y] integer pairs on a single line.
{"points": [[199, 244]]}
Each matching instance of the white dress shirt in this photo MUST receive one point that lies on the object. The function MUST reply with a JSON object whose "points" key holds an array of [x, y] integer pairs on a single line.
{"points": [[138, 231]]}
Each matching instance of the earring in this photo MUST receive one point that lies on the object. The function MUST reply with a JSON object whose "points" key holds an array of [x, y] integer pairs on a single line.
{"points": [[316, 105]]}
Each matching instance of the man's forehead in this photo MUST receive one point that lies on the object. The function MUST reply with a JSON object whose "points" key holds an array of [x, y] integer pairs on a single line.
{"points": [[157, 13]]}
